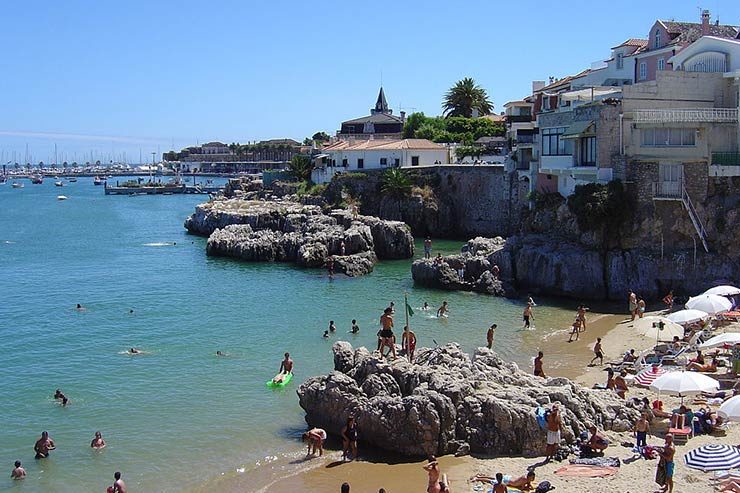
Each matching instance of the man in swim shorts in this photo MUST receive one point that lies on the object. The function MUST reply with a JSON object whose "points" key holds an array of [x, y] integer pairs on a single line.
{"points": [[386, 332], [554, 424], [408, 342], [666, 466], [286, 367], [44, 446], [18, 472]]}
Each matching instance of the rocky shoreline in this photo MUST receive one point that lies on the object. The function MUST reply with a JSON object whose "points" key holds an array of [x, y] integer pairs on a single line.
{"points": [[286, 231], [450, 403]]}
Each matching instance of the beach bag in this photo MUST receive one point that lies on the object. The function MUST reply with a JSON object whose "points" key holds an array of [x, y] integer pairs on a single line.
{"points": [[544, 487]]}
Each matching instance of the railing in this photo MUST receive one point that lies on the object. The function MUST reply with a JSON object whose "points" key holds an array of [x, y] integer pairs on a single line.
{"points": [[726, 158], [667, 190], [698, 226], [524, 139], [519, 118], [690, 115]]}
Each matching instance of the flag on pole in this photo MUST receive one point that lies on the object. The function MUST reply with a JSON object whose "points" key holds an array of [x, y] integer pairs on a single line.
{"points": [[409, 310]]}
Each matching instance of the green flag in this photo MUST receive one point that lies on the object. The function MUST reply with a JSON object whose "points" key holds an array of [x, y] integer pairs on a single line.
{"points": [[409, 310]]}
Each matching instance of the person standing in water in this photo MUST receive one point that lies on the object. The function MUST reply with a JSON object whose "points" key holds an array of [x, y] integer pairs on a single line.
{"points": [[355, 328], [332, 327], [527, 315], [286, 368], [386, 332], [432, 468], [44, 446], [443, 310], [18, 472], [98, 442], [428, 248], [408, 342], [581, 316], [118, 485], [489, 335], [538, 371]]}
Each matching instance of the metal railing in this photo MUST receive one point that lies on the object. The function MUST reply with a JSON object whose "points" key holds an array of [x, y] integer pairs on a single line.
{"points": [[687, 115], [668, 190], [695, 220], [726, 158]]}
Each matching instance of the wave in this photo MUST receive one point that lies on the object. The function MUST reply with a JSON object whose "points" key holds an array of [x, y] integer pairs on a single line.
{"points": [[160, 244]]}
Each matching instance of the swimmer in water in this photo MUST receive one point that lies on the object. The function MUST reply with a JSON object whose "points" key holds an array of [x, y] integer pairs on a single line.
{"points": [[44, 446], [326, 334], [98, 443], [58, 394], [18, 472], [221, 353], [131, 311], [425, 307], [443, 310], [80, 308], [286, 368], [332, 327], [133, 350], [355, 327]]}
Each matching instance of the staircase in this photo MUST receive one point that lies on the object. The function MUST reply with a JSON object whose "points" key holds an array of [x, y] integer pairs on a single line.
{"points": [[698, 226]]}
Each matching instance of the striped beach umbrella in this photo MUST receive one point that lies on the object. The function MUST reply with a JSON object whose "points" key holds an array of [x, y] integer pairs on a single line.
{"points": [[713, 457], [647, 376]]}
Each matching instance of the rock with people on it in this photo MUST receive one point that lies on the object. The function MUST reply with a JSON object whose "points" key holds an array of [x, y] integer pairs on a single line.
{"points": [[449, 402], [284, 231]]}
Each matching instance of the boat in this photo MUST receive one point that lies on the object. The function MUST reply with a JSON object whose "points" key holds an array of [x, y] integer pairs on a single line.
{"points": [[59, 183], [62, 197], [3, 180], [98, 180], [17, 185], [73, 180], [37, 179]]}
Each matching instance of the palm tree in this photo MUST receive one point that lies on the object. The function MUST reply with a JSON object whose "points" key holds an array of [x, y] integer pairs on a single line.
{"points": [[396, 183], [464, 97]]}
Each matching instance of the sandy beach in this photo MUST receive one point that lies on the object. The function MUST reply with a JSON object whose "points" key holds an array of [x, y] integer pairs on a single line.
{"points": [[635, 475]]}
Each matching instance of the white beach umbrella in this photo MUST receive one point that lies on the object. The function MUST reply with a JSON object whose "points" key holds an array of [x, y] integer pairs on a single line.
{"points": [[683, 383], [729, 338], [684, 317], [730, 409], [650, 327], [710, 303], [725, 290]]}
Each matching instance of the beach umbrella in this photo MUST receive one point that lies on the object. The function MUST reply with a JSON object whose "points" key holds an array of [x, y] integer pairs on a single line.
{"points": [[658, 328], [713, 457], [728, 338], [685, 317], [730, 409], [683, 383], [710, 303], [725, 290], [649, 375]]}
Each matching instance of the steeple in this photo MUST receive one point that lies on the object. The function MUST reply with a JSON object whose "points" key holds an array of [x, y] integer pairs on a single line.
{"points": [[381, 105]]}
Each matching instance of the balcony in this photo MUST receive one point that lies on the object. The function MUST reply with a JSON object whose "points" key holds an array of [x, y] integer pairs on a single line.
{"points": [[519, 118], [524, 139], [690, 115], [726, 158]]}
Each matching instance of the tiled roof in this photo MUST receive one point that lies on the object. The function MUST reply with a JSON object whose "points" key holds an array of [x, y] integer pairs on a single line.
{"points": [[688, 32], [380, 144], [494, 118], [633, 42], [376, 118], [564, 80]]}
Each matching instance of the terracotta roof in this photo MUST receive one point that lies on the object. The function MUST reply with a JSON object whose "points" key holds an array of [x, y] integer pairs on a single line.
{"points": [[564, 80], [494, 118], [633, 42], [381, 144], [688, 32]]}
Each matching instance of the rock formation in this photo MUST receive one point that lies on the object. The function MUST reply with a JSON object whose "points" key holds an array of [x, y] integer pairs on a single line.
{"points": [[286, 231], [447, 402]]}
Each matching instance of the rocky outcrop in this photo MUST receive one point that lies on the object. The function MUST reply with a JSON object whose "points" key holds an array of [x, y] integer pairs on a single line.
{"points": [[285, 231], [447, 402]]}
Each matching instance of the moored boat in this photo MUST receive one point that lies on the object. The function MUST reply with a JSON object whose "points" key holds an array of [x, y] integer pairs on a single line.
{"points": [[17, 184], [37, 179], [59, 183]]}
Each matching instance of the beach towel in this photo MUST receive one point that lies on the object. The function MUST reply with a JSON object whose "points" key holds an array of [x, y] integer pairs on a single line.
{"points": [[540, 413], [661, 474], [586, 471], [598, 461]]}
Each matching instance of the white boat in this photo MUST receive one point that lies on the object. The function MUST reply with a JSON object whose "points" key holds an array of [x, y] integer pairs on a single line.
{"points": [[98, 180], [17, 185], [73, 180], [58, 183], [62, 197]]}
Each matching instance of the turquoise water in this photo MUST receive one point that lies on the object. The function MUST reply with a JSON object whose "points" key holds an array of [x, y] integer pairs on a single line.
{"points": [[177, 416]]}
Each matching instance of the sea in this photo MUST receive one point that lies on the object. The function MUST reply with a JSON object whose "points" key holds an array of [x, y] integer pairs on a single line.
{"points": [[178, 417]]}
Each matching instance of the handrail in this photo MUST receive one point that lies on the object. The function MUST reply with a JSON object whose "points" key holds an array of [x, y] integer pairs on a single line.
{"points": [[682, 115], [694, 216]]}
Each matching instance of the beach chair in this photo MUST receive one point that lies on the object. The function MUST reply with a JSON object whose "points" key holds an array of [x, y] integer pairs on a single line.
{"points": [[681, 433], [677, 358]]}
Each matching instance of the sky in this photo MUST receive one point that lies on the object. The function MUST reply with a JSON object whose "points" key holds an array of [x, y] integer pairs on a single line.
{"points": [[116, 79]]}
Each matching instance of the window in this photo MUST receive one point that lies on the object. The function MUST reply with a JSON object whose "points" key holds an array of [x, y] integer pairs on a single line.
{"points": [[350, 129], [668, 137], [661, 63], [553, 145], [545, 102], [345, 163], [360, 163], [397, 162], [643, 71], [588, 151], [384, 161], [414, 160], [620, 61], [657, 38]]}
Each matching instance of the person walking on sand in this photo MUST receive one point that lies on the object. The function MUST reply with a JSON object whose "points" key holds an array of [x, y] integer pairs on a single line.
{"points": [[490, 334], [599, 352], [632, 306], [432, 469], [666, 466], [641, 308], [575, 330], [581, 316], [554, 425], [527, 315], [18, 472], [538, 371], [408, 342], [428, 248]]}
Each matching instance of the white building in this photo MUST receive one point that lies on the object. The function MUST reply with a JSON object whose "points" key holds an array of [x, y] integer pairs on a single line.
{"points": [[348, 156]]}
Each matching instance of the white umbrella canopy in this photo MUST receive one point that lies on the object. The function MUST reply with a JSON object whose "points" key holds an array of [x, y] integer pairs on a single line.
{"points": [[730, 338], [725, 290], [710, 303], [649, 327], [683, 383], [730, 409], [687, 316]]}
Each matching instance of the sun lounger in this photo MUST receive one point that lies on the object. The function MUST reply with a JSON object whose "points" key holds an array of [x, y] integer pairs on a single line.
{"points": [[681, 432]]}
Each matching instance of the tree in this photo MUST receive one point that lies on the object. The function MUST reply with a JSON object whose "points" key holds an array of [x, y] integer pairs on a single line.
{"points": [[300, 167], [396, 183], [320, 137], [464, 97]]}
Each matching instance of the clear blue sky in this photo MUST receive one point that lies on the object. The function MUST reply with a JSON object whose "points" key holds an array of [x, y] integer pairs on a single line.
{"points": [[116, 77]]}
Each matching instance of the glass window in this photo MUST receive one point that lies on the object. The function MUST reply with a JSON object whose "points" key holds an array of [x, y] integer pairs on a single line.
{"points": [[553, 145], [384, 161], [620, 60], [661, 63], [657, 38], [668, 137], [643, 70], [674, 137], [688, 137], [648, 136], [588, 151], [661, 136]]}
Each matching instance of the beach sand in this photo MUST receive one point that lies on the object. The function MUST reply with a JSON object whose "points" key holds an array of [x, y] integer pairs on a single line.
{"points": [[326, 474]]}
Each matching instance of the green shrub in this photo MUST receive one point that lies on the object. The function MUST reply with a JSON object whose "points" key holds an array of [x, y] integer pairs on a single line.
{"points": [[601, 207], [396, 182], [546, 200]]}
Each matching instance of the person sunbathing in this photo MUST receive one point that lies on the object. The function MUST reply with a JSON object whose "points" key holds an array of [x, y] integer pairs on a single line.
{"points": [[658, 410], [711, 367], [523, 483]]}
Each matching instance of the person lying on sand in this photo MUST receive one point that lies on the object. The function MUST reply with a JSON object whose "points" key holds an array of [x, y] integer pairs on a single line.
{"points": [[708, 368], [523, 483]]}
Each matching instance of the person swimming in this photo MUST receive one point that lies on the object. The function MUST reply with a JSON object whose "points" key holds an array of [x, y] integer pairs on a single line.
{"points": [[332, 327], [80, 308], [425, 307], [134, 350], [355, 328], [443, 310], [221, 353], [98, 443], [326, 334]]}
